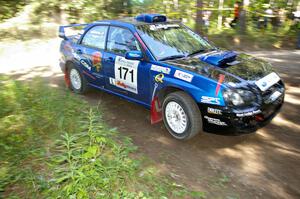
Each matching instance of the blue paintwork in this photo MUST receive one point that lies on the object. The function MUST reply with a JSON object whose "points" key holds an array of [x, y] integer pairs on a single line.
{"points": [[199, 86], [150, 18], [219, 57]]}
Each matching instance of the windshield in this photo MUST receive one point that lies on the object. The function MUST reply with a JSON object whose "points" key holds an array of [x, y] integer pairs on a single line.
{"points": [[171, 40]]}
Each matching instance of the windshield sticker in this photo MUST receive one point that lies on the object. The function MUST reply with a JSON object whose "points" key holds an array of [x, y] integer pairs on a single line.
{"points": [[126, 74], [183, 76], [96, 58], [163, 26], [210, 100], [160, 69], [215, 121]]}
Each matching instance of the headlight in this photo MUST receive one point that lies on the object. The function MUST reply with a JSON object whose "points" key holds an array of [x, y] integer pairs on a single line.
{"points": [[238, 97]]}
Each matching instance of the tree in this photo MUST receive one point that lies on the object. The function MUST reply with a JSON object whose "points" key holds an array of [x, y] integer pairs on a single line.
{"points": [[242, 20], [199, 20]]}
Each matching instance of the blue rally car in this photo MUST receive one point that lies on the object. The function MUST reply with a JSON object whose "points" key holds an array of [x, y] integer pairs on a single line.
{"points": [[181, 77]]}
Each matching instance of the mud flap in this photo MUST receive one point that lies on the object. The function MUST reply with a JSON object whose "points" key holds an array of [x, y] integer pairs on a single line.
{"points": [[67, 79], [156, 111]]}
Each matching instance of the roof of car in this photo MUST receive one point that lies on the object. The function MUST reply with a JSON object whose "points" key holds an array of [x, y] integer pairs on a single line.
{"points": [[131, 21]]}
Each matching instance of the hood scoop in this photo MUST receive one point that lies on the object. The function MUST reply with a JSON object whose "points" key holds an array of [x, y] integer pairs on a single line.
{"points": [[219, 58]]}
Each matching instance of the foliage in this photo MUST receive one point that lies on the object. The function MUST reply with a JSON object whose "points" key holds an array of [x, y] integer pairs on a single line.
{"points": [[9, 9], [54, 145]]}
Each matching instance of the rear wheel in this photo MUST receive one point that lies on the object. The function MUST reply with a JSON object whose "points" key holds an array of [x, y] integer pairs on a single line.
{"points": [[181, 115], [78, 82]]}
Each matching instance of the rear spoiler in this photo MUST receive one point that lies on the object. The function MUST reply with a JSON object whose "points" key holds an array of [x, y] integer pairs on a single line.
{"points": [[61, 30]]}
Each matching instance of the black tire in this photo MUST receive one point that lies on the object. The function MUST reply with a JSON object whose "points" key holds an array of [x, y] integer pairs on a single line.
{"points": [[84, 84], [192, 113]]}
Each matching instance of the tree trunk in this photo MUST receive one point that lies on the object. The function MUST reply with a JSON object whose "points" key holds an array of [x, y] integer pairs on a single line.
{"points": [[220, 16], [199, 20], [242, 20]]}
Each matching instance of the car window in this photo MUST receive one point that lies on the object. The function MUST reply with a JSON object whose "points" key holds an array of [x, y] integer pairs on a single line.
{"points": [[121, 40], [95, 37]]}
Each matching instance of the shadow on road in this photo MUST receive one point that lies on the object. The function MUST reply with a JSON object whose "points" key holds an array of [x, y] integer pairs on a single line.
{"points": [[259, 165]]}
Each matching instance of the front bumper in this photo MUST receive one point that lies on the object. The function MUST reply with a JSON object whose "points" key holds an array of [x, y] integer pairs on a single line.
{"points": [[239, 122]]}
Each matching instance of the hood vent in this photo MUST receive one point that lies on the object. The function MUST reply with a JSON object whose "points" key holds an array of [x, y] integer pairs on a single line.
{"points": [[219, 58]]}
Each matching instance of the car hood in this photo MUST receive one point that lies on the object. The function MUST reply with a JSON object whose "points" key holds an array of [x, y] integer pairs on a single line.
{"points": [[235, 67]]}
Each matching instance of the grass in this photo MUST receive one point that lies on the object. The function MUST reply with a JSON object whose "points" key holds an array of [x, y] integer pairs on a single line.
{"points": [[55, 145]]}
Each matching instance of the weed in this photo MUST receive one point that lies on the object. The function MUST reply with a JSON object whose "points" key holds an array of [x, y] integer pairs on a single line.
{"points": [[54, 145]]}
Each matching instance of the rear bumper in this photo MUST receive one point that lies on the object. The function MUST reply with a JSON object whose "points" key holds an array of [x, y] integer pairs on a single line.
{"points": [[237, 122]]}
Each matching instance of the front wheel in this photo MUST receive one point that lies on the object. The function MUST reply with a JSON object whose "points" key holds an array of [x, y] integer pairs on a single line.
{"points": [[181, 115]]}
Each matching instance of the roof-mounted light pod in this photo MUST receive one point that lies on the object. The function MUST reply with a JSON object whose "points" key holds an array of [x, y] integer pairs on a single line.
{"points": [[151, 18]]}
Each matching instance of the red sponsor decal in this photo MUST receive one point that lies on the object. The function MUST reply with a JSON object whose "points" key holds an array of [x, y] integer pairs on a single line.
{"points": [[96, 59], [121, 84], [221, 79]]}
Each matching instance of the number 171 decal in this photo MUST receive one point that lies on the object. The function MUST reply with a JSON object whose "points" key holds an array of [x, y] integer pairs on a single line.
{"points": [[126, 74]]}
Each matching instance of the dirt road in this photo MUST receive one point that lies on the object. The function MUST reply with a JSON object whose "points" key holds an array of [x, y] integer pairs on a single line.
{"points": [[265, 164]]}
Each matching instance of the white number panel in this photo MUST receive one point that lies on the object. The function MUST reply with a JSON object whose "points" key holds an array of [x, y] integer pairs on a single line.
{"points": [[267, 81], [126, 74]]}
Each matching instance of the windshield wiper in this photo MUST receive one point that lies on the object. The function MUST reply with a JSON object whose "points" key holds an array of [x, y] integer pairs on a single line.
{"points": [[196, 52], [172, 57]]}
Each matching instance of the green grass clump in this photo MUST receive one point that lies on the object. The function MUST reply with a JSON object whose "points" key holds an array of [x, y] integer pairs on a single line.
{"points": [[54, 145]]}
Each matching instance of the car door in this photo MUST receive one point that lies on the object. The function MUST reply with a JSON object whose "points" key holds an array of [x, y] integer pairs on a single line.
{"points": [[90, 51], [127, 77]]}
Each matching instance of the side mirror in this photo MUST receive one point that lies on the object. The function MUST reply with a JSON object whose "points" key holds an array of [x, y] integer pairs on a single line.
{"points": [[134, 55]]}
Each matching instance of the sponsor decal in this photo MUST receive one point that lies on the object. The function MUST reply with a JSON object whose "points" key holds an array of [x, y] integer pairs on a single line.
{"points": [[120, 84], [267, 81], [78, 58], [163, 26], [160, 69], [85, 64], [96, 59], [214, 111], [159, 78], [210, 100], [112, 81], [215, 121], [274, 96], [220, 81], [126, 74], [183, 76], [248, 113]]}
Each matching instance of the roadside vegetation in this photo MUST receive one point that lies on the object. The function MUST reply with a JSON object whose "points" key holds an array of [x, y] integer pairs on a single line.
{"points": [[24, 20], [55, 145]]}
